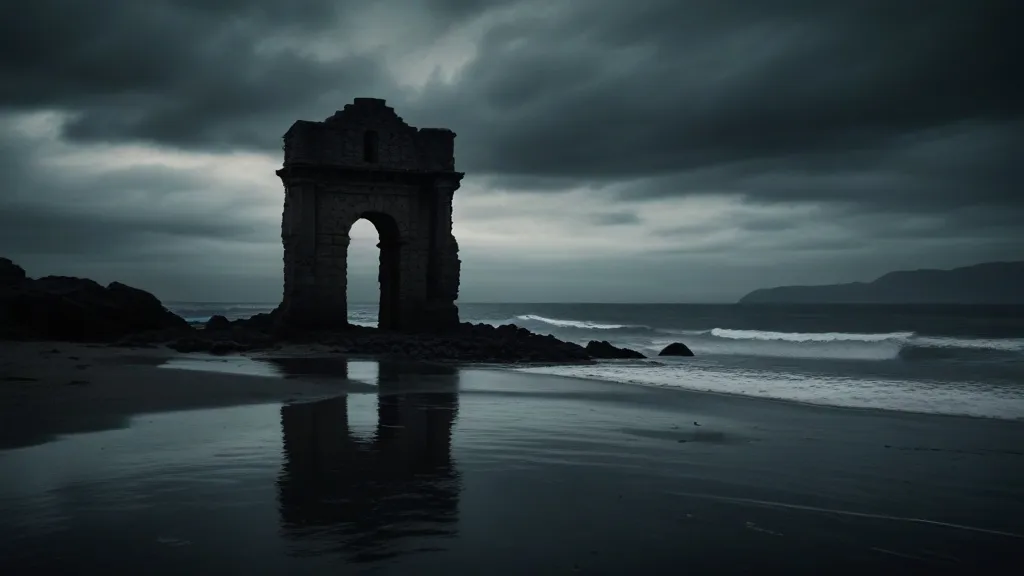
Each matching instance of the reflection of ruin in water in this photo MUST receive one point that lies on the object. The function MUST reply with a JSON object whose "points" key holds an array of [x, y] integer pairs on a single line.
{"points": [[394, 494]]}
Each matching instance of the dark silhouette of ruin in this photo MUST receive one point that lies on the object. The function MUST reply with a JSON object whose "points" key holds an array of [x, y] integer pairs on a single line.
{"points": [[366, 162], [378, 497]]}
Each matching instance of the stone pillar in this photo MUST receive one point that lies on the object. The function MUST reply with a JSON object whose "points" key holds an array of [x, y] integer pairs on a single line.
{"points": [[298, 233], [391, 280], [314, 266], [444, 264], [413, 255], [331, 280]]}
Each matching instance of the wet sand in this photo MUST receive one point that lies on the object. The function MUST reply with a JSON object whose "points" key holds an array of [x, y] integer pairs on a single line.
{"points": [[484, 471], [53, 388]]}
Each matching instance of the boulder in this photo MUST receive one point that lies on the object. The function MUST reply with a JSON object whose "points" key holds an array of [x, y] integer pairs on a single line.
{"points": [[605, 350], [217, 323], [676, 349], [77, 309]]}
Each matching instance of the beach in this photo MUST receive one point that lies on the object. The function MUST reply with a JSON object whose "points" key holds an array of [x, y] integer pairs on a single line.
{"points": [[150, 461], [53, 388]]}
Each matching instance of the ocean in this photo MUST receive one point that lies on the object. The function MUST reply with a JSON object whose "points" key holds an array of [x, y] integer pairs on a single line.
{"points": [[956, 360]]}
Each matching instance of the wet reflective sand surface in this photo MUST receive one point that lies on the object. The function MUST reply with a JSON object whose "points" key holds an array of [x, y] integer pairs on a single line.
{"points": [[441, 470]]}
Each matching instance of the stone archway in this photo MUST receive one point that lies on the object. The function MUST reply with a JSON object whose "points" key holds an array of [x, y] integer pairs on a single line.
{"points": [[366, 162]]}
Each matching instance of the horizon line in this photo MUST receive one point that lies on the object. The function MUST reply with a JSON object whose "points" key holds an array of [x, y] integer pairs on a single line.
{"points": [[457, 302], [734, 303]]}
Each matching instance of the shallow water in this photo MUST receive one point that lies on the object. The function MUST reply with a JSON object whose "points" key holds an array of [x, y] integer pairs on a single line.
{"points": [[493, 472], [949, 391], [340, 368]]}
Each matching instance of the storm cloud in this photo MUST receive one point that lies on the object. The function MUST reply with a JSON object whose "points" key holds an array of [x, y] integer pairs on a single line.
{"points": [[712, 147]]}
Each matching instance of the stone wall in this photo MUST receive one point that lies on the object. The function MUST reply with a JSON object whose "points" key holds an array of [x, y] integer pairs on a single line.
{"points": [[339, 141], [404, 186]]}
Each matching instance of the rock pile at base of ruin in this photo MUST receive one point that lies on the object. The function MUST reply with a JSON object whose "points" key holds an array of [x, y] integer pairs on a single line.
{"points": [[466, 343]]}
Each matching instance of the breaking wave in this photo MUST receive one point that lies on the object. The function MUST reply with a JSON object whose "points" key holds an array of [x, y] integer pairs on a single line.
{"points": [[907, 346], [579, 324], [808, 337]]}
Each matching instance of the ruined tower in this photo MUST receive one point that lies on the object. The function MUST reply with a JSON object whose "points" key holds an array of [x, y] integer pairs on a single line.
{"points": [[366, 162]]}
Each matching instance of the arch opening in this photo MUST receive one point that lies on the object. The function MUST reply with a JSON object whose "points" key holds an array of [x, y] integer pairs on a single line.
{"points": [[388, 282]]}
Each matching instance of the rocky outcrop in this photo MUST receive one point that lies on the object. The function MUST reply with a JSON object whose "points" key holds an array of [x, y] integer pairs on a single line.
{"points": [[676, 349], [76, 309], [605, 350], [10, 273]]}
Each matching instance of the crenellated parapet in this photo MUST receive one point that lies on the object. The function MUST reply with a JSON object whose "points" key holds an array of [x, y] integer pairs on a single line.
{"points": [[368, 134]]}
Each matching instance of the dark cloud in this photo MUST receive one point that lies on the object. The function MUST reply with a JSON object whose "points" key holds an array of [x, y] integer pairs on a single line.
{"points": [[883, 106], [610, 87], [119, 212], [179, 72], [647, 86], [599, 90], [899, 121]]}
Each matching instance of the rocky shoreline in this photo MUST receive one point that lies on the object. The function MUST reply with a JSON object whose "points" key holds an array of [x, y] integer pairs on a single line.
{"points": [[71, 309]]}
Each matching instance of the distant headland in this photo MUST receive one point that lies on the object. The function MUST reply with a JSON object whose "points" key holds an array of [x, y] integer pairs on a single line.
{"points": [[988, 283]]}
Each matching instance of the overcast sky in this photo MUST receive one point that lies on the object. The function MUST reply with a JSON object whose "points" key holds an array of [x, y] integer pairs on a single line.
{"points": [[641, 150]]}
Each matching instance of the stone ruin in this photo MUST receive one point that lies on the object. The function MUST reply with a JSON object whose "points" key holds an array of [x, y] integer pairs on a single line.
{"points": [[366, 162]]}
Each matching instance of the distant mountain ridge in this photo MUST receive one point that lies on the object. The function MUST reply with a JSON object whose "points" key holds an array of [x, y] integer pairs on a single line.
{"points": [[988, 283]]}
